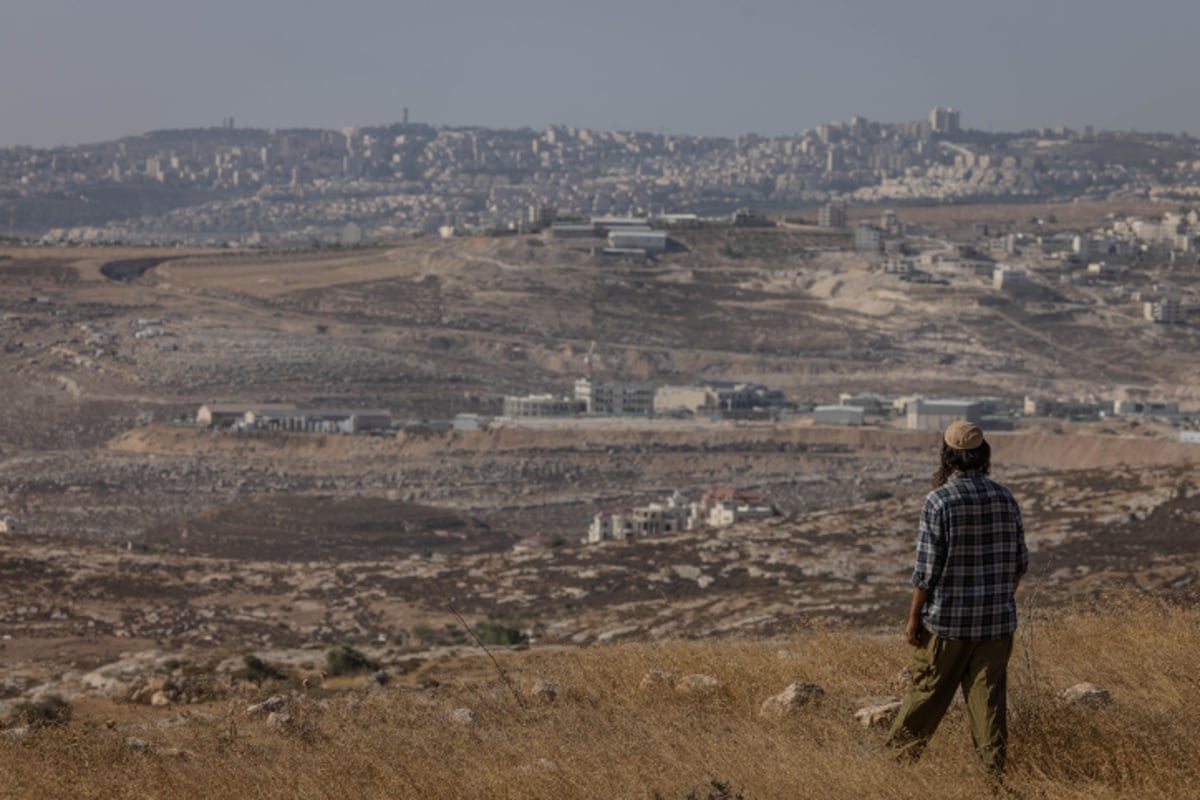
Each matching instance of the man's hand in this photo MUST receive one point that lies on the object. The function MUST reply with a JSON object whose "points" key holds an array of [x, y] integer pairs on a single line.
{"points": [[913, 631]]}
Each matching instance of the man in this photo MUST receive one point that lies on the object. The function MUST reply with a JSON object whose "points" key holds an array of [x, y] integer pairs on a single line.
{"points": [[970, 557]]}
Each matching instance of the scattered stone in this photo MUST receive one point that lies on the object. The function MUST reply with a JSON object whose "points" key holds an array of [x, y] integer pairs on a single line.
{"points": [[464, 716], [279, 719], [697, 684], [271, 704], [878, 716], [135, 744], [544, 692], [1088, 695], [656, 679], [790, 699]]}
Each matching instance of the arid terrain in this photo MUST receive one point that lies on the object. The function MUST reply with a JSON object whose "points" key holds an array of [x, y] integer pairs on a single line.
{"points": [[146, 540]]}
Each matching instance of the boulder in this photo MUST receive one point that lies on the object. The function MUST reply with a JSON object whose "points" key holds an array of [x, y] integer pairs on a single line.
{"points": [[271, 704], [160, 699], [697, 684], [464, 716], [879, 715], [656, 679], [543, 692], [790, 699], [1087, 695]]}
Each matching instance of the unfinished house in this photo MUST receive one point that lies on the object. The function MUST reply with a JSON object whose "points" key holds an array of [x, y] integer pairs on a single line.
{"points": [[218, 415]]}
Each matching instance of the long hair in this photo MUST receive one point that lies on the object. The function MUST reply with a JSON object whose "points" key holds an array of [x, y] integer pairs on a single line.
{"points": [[977, 460]]}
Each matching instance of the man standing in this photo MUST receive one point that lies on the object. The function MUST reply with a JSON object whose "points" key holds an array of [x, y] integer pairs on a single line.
{"points": [[970, 557]]}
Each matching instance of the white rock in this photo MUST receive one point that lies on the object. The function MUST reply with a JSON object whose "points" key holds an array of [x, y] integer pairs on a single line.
{"points": [[279, 719], [878, 716], [790, 699], [160, 699], [1086, 694], [697, 684], [464, 716], [135, 744], [273, 703]]}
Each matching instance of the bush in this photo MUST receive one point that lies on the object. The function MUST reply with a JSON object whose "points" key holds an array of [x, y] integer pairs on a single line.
{"points": [[50, 710], [345, 660], [877, 495], [497, 634], [256, 670]]}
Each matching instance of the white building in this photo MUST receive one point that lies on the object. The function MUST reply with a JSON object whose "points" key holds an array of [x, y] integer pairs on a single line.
{"points": [[638, 239], [935, 415], [838, 415]]}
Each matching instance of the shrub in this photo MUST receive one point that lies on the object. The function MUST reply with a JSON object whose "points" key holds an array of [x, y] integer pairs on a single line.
{"points": [[345, 660], [498, 634], [50, 710], [877, 495], [256, 670]]}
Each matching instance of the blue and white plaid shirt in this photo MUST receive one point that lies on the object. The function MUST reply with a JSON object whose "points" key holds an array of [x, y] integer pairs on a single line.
{"points": [[970, 552]]}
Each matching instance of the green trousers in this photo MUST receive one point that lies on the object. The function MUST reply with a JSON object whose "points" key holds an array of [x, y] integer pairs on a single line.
{"points": [[939, 668]]}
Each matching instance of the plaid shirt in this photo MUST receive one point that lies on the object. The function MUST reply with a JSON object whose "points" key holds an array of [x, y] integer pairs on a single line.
{"points": [[970, 551]]}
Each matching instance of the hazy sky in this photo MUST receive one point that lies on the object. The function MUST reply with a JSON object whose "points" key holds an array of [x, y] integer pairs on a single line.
{"points": [[73, 71]]}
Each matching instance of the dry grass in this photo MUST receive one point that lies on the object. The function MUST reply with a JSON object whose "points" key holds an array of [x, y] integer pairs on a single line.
{"points": [[603, 736]]}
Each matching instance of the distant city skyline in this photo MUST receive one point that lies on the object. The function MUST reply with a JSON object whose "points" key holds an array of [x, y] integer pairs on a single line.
{"points": [[81, 73]]}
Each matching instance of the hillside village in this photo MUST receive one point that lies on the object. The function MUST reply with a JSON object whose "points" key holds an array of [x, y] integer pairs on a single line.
{"points": [[227, 185]]}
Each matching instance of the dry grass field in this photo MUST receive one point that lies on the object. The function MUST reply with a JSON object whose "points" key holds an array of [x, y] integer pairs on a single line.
{"points": [[606, 731]]}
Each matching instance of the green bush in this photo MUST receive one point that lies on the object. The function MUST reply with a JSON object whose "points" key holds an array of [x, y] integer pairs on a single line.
{"points": [[877, 495], [256, 670], [498, 634], [345, 660], [50, 710]]}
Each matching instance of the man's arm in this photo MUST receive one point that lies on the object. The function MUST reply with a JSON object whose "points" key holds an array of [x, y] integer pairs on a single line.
{"points": [[912, 631]]}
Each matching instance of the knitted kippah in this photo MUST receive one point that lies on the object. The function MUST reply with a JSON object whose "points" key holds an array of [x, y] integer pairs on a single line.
{"points": [[963, 435]]}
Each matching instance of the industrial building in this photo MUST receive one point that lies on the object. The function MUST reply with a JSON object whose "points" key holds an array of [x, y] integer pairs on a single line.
{"points": [[319, 420], [717, 397], [226, 414], [541, 405], [644, 239], [935, 415], [615, 397], [838, 415]]}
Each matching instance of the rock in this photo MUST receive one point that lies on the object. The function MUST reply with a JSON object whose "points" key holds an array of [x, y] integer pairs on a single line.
{"points": [[160, 699], [697, 684], [279, 719], [657, 679], [544, 692], [135, 744], [878, 716], [790, 699], [271, 704], [1088, 695], [464, 716]]}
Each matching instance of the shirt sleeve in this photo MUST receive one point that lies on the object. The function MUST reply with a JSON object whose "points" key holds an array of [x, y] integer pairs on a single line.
{"points": [[1022, 551], [931, 548]]}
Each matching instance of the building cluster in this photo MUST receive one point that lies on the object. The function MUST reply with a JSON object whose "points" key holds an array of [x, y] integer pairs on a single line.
{"points": [[296, 187], [717, 508], [287, 417], [643, 398]]}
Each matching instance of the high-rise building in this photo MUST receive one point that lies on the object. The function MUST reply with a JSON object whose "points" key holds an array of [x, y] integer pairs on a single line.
{"points": [[944, 120]]}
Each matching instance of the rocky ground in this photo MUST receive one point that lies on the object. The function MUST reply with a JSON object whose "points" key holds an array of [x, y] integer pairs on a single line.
{"points": [[145, 540]]}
